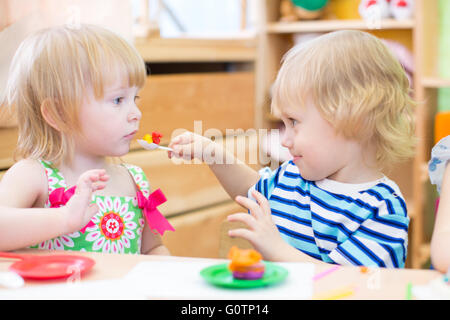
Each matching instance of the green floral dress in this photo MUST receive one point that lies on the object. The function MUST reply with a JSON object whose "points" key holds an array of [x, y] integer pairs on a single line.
{"points": [[116, 228]]}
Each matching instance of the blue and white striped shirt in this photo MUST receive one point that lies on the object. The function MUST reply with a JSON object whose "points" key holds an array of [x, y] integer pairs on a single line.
{"points": [[348, 224]]}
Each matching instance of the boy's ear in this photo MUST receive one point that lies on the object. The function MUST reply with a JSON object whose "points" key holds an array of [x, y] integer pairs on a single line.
{"points": [[49, 113]]}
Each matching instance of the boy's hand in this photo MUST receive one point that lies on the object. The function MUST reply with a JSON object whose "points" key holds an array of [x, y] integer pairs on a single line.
{"points": [[191, 146], [262, 232], [79, 210]]}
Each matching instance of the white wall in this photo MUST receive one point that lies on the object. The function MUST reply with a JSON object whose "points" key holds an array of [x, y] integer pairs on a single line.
{"points": [[201, 17]]}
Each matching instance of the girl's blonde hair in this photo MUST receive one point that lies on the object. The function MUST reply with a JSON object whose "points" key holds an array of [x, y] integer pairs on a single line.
{"points": [[357, 85], [55, 68]]}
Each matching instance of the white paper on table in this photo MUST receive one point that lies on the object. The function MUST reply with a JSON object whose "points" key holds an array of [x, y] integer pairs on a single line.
{"points": [[182, 280], [115, 289], [168, 280], [436, 289]]}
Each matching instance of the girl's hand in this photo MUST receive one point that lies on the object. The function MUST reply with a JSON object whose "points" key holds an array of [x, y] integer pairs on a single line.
{"points": [[189, 146], [79, 210], [262, 232]]}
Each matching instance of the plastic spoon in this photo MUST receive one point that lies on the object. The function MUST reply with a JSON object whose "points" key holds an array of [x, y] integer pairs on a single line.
{"points": [[152, 146]]}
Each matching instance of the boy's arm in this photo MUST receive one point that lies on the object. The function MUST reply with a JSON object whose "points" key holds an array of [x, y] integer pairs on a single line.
{"points": [[236, 178], [234, 175], [440, 254]]}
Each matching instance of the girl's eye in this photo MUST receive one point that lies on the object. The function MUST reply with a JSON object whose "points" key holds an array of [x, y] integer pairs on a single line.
{"points": [[293, 121], [118, 100], [136, 99]]}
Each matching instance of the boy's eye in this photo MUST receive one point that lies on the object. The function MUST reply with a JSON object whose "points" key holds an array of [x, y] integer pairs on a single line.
{"points": [[118, 100], [137, 98], [293, 121]]}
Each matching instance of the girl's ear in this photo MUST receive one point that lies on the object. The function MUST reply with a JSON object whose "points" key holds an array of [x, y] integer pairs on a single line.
{"points": [[49, 113]]}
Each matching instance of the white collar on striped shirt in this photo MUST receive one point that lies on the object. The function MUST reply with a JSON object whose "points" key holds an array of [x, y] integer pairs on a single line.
{"points": [[347, 188]]}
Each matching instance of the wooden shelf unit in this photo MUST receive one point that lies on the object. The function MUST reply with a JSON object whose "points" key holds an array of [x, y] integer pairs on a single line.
{"points": [[333, 25], [237, 49], [435, 82], [412, 177]]}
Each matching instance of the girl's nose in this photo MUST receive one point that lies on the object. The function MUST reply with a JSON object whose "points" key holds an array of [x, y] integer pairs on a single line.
{"points": [[135, 114]]}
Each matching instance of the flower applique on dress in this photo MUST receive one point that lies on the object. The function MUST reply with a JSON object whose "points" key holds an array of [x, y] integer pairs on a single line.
{"points": [[116, 228]]}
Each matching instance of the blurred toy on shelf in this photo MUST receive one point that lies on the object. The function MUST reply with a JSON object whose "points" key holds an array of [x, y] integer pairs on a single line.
{"points": [[294, 10], [401, 9], [383, 9], [374, 9]]}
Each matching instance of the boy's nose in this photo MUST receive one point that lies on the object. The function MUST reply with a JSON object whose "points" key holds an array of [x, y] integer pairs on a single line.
{"points": [[286, 141]]}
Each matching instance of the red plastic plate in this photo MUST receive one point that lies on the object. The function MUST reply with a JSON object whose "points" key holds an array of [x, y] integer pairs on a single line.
{"points": [[52, 266]]}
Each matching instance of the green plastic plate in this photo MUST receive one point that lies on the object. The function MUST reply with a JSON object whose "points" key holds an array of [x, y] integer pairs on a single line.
{"points": [[221, 276]]}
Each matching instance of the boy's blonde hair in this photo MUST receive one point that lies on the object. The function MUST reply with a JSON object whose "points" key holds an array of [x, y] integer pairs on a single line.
{"points": [[56, 67], [357, 85]]}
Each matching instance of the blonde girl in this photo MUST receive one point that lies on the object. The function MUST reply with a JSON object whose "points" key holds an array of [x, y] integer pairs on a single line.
{"points": [[74, 91]]}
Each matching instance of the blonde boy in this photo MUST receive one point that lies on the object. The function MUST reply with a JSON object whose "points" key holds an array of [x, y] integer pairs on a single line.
{"points": [[344, 100]]}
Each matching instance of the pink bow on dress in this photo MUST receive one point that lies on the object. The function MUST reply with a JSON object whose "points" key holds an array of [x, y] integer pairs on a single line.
{"points": [[154, 218], [60, 196]]}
